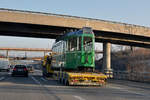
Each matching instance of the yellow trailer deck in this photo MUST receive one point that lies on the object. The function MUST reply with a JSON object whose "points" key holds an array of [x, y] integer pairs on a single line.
{"points": [[78, 78]]}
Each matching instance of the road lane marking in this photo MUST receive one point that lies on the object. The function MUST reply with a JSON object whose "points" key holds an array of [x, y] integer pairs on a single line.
{"points": [[131, 83], [63, 86], [129, 91], [43, 79], [2, 78], [79, 98], [36, 80], [57, 85]]}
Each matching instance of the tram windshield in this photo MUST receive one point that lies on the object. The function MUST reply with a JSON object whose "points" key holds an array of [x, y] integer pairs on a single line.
{"points": [[87, 44], [74, 44]]}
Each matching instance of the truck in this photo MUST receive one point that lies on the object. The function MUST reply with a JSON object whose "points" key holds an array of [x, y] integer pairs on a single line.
{"points": [[4, 64], [72, 61]]}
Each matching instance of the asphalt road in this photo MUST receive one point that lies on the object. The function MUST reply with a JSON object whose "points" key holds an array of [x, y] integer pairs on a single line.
{"points": [[35, 87]]}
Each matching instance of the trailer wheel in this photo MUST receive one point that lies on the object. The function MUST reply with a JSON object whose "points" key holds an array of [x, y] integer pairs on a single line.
{"points": [[66, 82], [62, 81], [59, 80], [43, 74]]}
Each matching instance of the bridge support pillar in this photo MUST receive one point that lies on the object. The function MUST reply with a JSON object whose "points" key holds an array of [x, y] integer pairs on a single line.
{"points": [[7, 54], [107, 59], [44, 53]]}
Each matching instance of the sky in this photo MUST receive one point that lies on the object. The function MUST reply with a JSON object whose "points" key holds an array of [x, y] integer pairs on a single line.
{"points": [[125, 11]]}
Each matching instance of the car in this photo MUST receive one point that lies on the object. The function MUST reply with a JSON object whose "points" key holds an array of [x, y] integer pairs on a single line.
{"points": [[30, 68], [20, 70], [4, 65]]}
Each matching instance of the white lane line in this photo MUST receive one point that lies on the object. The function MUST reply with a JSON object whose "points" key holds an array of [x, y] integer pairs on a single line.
{"points": [[43, 79], [63, 86], [55, 86], [79, 98], [2, 78], [126, 90], [36, 80]]}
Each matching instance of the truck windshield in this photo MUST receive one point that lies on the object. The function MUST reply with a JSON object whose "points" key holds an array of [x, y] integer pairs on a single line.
{"points": [[87, 43]]}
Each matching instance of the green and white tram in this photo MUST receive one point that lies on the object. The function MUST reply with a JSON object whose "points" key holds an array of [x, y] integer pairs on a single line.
{"points": [[75, 51]]}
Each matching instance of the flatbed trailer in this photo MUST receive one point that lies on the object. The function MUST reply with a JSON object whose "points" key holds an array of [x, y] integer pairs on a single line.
{"points": [[72, 60], [81, 78]]}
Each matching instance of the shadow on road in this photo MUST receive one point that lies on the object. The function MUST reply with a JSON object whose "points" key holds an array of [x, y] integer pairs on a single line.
{"points": [[34, 79], [132, 84]]}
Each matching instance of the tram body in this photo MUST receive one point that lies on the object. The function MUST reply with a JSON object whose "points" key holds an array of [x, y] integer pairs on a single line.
{"points": [[75, 50], [73, 60]]}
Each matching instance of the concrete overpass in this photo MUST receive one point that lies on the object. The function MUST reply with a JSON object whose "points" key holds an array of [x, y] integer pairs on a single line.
{"points": [[28, 58], [48, 25], [25, 49]]}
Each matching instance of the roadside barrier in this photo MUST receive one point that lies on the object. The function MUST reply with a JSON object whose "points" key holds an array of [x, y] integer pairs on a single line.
{"points": [[133, 76]]}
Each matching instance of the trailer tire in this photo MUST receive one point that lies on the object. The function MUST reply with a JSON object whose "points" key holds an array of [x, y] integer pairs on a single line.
{"points": [[59, 80], [66, 82], [62, 80]]}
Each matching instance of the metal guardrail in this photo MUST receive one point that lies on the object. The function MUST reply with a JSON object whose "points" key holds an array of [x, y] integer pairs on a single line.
{"points": [[134, 76]]}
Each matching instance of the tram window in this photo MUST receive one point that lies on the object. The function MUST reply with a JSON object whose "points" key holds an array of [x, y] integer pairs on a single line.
{"points": [[79, 43], [87, 40], [72, 44], [69, 44], [63, 46], [87, 43]]}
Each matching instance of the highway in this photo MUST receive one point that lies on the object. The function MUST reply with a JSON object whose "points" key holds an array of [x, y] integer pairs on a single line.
{"points": [[35, 87]]}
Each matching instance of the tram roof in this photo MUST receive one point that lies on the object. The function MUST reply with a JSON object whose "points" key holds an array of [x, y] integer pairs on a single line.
{"points": [[77, 33], [87, 30], [74, 33]]}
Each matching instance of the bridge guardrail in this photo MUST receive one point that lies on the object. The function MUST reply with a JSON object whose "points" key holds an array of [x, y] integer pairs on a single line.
{"points": [[134, 76]]}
